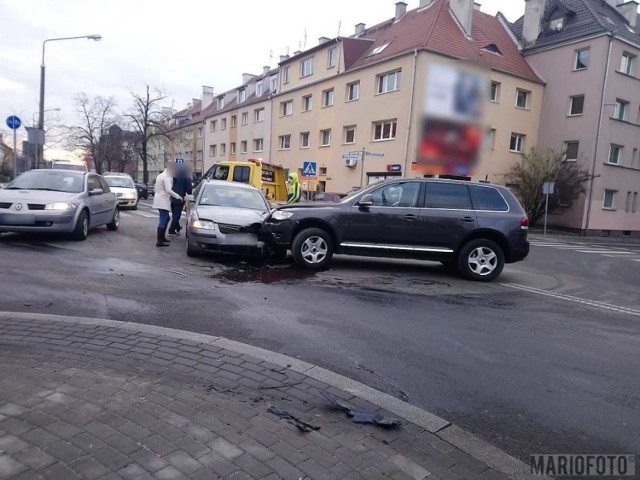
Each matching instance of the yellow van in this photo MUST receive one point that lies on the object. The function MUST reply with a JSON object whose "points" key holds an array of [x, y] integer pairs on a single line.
{"points": [[271, 179]]}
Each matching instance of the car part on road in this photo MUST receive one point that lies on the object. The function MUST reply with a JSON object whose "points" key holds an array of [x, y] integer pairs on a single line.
{"points": [[481, 260], [304, 427], [82, 227], [359, 415], [312, 248]]}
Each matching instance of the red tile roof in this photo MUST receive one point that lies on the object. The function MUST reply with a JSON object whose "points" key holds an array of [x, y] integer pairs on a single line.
{"points": [[435, 28]]}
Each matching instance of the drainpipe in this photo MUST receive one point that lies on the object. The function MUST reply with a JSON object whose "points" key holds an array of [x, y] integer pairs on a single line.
{"points": [[204, 130], [410, 118], [595, 154]]}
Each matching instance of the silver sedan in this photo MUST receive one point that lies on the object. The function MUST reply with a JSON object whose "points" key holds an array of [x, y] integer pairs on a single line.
{"points": [[58, 201]]}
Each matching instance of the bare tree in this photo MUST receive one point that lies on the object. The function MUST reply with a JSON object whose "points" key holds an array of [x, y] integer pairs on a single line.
{"points": [[95, 117], [147, 120], [540, 166]]}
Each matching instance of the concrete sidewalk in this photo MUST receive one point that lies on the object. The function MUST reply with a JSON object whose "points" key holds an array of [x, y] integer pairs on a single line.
{"points": [[97, 399]]}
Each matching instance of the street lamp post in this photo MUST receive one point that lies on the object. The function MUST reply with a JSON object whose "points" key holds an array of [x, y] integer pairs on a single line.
{"points": [[40, 148]]}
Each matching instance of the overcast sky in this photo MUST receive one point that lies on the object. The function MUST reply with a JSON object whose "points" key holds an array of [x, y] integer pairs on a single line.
{"points": [[178, 49]]}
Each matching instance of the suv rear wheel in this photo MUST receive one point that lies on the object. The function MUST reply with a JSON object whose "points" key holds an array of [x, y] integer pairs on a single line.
{"points": [[481, 260], [312, 248]]}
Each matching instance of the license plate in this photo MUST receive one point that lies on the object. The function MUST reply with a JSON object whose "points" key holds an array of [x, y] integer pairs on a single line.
{"points": [[17, 219]]}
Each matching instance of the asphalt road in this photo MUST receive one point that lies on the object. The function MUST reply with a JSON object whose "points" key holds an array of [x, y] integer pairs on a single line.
{"points": [[546, 360]]}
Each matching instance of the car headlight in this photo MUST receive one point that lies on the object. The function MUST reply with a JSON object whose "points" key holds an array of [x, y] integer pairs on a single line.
{"points": [[204, 224], [131, 196], [281, 215], [60, 206]]}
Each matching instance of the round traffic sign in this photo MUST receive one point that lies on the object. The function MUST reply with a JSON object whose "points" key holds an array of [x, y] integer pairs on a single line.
{"points": [[13, 122]]}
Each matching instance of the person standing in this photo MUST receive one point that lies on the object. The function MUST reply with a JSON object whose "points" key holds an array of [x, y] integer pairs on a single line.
{"points": [[182, 185], [163, 193], [294, 192]]}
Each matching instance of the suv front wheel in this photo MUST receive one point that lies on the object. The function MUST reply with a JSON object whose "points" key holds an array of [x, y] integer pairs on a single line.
{"points": [[481, 260], [312, 248]]}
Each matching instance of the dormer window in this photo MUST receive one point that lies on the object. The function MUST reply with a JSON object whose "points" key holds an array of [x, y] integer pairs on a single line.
{"points": [[493, 48], [556, 24], [378, 50]]}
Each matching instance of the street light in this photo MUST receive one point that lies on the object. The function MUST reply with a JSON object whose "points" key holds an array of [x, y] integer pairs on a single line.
{"points": [[97, 37]]}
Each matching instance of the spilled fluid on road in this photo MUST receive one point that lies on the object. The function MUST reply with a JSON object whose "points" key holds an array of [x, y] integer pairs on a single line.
{"points": [[262, 273]]}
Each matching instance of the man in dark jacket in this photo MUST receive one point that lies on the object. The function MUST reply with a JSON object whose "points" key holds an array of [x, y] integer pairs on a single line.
{"points": [[182, 185]]}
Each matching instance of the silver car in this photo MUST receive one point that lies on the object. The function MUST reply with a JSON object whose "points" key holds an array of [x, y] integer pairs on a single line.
{"points": [[60, 201], [225, 217]]}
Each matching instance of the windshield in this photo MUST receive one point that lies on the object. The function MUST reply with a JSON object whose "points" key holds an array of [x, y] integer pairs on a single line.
{"points": [[120, 182], [223, 196], [53, 180], [70, 166]]}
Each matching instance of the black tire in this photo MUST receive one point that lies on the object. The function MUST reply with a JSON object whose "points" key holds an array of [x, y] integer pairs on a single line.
{"points": [[135, 207], [81, 230], [191, 252], [113, 225], [303, 245], [481, 260]]}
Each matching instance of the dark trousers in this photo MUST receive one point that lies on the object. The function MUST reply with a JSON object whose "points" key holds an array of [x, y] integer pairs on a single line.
{"points": [[176, 213]]}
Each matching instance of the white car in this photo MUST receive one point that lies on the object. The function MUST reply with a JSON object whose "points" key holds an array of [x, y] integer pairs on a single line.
{"points": [[125, 189]]}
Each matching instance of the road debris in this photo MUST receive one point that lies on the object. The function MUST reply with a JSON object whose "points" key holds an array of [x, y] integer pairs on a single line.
{"points": [[303, 426], [360, 415], [276, 387]]}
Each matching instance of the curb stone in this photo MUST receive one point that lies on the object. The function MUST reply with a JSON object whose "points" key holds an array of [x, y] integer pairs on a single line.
{"points": [[465, 441]]}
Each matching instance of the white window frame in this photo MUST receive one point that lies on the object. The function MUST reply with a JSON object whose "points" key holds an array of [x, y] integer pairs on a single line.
{"points": [[384, 84], [357, 91], [304, 103], [495, 99], [244, 118], [566, 149], [621, 107], [619, 156], [223, 124], [303, 136], [214, 126], [234, 121], [576, 58], [233, 148], [571, 100], [306, 67], [329, 94], [221, 103], [274, 83], [628, 63], [520, 139], [244, 145], [527, 98], [347, 129], [326, 131], [242, 95], [393, 130], [255, 145], [332, 57], [213, 151], [634, 204], [286, 74], [259, 89], [628, 203], [284, 142], [635, 158], [491, 138], [258, 115], [286, 108], [614, 200], [223, 149]]}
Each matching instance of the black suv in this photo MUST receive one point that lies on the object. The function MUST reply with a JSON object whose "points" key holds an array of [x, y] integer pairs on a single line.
{"points": [[474, 227]]}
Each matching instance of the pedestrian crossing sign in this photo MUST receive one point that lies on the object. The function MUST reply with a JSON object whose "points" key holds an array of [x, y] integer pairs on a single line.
{"points": [[309, 169]]}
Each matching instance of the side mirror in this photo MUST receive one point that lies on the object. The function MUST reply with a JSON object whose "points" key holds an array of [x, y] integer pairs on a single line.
{"points": [[189, 198], [96, 191], [366, 201]]}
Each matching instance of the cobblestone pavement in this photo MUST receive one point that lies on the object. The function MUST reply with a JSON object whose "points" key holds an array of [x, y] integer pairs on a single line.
{"points": [[98, 402]]}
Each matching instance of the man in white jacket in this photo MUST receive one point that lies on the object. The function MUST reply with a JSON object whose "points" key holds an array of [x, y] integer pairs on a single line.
{"points": [[163, 191]]}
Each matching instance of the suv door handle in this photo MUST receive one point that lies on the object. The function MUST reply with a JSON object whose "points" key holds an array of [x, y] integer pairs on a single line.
{"points": [[468, 219], [411, 217]]}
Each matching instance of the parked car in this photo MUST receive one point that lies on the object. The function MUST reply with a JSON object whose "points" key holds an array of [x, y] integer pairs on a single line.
{"points": [[69, 165], [475, 227], [329, 197], [62, 201], [143, 191], [225, 217], [125, 189]]}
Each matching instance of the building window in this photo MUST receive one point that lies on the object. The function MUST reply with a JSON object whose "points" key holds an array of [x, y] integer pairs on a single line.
{"points": [[232, 148], [634, 204], [556, 24], [350, 134], [491, 139], [327, 98], [610, 200], [245, 118], [258, 145], [223, 124], [635, 159], [306, 67], [305, 140], [286, 108], [259, 89], [199, 132], [284, 142], [223, 149], [576, 105], [627, 204], [213, 126], [615, 154], [325, 138], [620, 110], [307, 103], [258, 115], [353, 91], [378, 50], [332, 56], [220, 103], [495, 92], [242, 95], [234, 121], [582, 59], [628, 63], [243, 146], [522, 98], [213, 150], [571, 151], [385, 130], [274, 83], [517, 143], [389, 82], [323, 171], [286, 74]]}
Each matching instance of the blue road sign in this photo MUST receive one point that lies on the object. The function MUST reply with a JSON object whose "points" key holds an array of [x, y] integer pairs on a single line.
{"points": [[13, 122], [309, 169], [180, 161]]}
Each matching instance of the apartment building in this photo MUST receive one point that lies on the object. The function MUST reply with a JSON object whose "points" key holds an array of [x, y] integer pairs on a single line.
{"points": [[238, 127], [587, 51], [366, 92]]}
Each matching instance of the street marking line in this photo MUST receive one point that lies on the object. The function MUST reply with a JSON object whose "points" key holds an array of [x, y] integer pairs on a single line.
{"points": [[618, 256], [125, 214], [141, 214], [570, 298], [609, 252], [638, 260]]}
